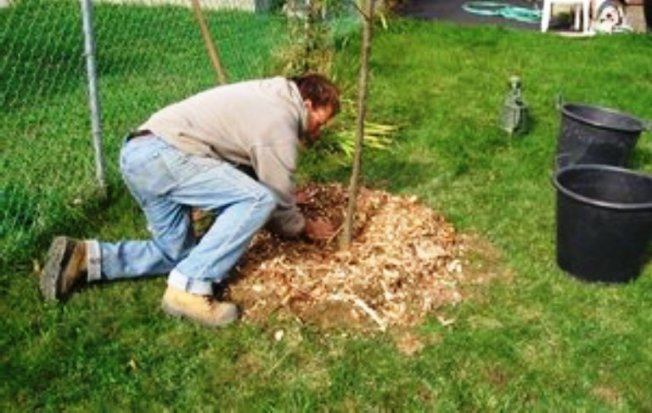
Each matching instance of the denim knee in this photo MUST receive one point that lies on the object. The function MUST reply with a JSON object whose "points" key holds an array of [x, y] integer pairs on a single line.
{"points": [[266, 201], [174, 245]]}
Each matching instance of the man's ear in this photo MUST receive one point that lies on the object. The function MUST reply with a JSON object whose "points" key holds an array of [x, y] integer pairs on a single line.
{"points": [[308, 104]]}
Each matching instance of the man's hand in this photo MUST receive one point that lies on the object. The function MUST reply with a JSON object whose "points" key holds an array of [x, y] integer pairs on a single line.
{"points": [[319, 230], [304, 196]]}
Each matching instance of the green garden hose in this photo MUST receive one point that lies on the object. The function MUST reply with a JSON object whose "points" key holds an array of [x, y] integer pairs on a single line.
{"points": [[506, 10]]}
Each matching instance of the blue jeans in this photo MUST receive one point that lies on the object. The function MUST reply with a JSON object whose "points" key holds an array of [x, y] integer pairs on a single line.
{"points": [[166, 183]]}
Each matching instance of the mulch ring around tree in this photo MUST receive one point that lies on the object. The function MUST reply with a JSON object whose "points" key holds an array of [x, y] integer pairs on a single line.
{"points": [[404, 264]]}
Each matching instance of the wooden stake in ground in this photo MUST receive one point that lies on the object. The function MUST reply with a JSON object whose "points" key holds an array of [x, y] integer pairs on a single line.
{"points": [[208, 42], [367, 14]]}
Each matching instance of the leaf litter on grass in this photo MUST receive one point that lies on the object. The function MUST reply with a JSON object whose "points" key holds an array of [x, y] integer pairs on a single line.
{"points": [[405, 262]]}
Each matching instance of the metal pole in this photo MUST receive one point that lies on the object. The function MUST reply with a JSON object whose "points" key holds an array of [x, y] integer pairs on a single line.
{"points": [[93, 96]]}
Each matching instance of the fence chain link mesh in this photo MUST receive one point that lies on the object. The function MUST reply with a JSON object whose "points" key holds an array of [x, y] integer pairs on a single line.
{"points": [[148, 53]]}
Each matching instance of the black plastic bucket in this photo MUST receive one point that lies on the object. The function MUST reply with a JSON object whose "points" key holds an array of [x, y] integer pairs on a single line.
{"points": [[596, 135], [604, 222]]}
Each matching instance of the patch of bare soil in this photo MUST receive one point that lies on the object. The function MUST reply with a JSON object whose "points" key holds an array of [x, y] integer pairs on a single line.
{"points": [[405, 262]]}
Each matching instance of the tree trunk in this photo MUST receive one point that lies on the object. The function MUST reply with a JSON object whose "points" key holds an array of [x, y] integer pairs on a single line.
{"points": [[367, 31]]}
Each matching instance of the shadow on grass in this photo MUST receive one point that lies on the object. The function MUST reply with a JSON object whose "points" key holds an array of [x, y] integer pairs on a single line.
{"points": [[397, 174]]}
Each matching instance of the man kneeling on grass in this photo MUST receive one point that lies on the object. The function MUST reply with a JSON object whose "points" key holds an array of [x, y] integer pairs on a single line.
{"points": [[191, 154]]}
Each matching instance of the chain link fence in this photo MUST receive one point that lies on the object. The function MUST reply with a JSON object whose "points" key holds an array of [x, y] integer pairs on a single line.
{"points": [[148, 53]]}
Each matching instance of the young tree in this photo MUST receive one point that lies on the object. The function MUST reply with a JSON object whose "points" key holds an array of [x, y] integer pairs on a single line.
{"points": [[367, 14]]}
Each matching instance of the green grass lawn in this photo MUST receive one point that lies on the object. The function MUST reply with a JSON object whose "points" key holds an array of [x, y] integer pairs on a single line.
{"points": [[534, 339]]}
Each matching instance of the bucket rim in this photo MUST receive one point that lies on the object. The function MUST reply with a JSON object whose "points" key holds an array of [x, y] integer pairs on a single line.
{"points": [[572, 115], [640, 206]]}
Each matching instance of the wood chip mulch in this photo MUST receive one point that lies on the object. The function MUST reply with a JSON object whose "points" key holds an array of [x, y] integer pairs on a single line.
{"points": [[405, 262]]}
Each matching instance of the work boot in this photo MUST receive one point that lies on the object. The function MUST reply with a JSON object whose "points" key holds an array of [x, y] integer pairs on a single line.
{"points": [[204, 309], [64, 267]]}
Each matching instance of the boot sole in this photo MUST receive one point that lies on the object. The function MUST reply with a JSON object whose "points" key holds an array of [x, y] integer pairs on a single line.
{"points": [[51, 274], [176, 313]]}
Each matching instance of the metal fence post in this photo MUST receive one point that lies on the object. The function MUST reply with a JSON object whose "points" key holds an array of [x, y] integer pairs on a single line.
{"points": [[93, 96]]}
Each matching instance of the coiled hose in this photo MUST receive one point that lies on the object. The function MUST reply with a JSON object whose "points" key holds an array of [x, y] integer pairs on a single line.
{"points": [[506, 10]]}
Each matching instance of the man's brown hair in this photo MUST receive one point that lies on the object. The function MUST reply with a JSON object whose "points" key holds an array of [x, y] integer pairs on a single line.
{"points": [[319, 90]]}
